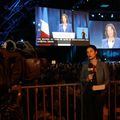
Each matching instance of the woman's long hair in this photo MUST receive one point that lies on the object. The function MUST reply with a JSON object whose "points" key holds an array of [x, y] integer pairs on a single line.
{"points": [[113, 27]]}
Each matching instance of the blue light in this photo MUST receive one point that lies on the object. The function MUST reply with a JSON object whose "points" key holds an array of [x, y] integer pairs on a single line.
{"points": [[104, 5], [112, 15], [33, 22], [93, 15]]}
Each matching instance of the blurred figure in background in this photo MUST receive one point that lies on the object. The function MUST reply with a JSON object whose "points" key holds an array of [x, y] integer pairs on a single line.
{"points": [[12, 65]]}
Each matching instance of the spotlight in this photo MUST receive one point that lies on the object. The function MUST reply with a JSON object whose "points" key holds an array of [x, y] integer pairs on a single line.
{"points": [[21, 40], [33, 22], [112, 15], [39, 24], [102, 16], [93, 15], [105, 59], [38, 30]]}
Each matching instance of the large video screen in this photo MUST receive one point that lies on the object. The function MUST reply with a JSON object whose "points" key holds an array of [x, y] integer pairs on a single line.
{"points": [[60, 27], [105, 34]]}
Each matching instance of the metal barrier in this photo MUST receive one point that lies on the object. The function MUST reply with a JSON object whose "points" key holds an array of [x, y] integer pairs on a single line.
{"points": [[114, 100], [51, 101], [63, 102]]}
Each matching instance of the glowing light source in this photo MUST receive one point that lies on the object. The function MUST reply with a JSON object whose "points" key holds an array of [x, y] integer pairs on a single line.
{"points": [[21, 40], [104, 5], [102, 16], [112, 15], [33, 22], [93, 15], [98, 13]]}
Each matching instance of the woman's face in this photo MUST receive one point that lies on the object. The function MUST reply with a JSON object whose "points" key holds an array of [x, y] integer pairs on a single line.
{"points": [[91, 53], [110, 31], [64, 19]]}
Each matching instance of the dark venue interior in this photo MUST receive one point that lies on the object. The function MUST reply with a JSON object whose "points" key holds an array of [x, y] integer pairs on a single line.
{"points": [[41, 64]]}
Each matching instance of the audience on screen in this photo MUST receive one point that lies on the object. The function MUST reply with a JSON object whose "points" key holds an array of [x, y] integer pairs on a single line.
{"points": [[111, 40], [65, 26]]}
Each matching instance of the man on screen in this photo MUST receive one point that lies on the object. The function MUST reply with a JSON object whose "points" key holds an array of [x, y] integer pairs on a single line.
{"points": [[111, 40], [65, 26]]}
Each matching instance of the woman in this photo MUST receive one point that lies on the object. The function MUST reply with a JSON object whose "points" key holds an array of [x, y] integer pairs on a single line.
{"points": [[65, 26], [94, 72], [111, 41]]}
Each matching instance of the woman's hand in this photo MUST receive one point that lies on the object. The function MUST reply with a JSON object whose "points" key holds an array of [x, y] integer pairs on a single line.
{"points": [[90, 77]]}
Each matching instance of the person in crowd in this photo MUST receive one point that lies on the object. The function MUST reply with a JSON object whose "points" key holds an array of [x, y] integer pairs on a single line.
{"points": [[9, 45], [26, 49], [65, 26], [12, 65], [13, 61], [93, 72], [111, 40]]}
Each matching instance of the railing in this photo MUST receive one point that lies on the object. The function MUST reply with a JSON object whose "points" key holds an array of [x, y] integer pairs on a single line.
{"points": [[52, 101], [114, 100], [63, 102]]}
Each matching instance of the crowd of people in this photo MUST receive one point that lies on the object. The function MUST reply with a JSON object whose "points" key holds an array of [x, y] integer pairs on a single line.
{"points": [[13, 72]]}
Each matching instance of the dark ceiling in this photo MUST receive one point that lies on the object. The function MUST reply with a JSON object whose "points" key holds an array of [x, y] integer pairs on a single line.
{"points": [[14, 13], [68, 4]]}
